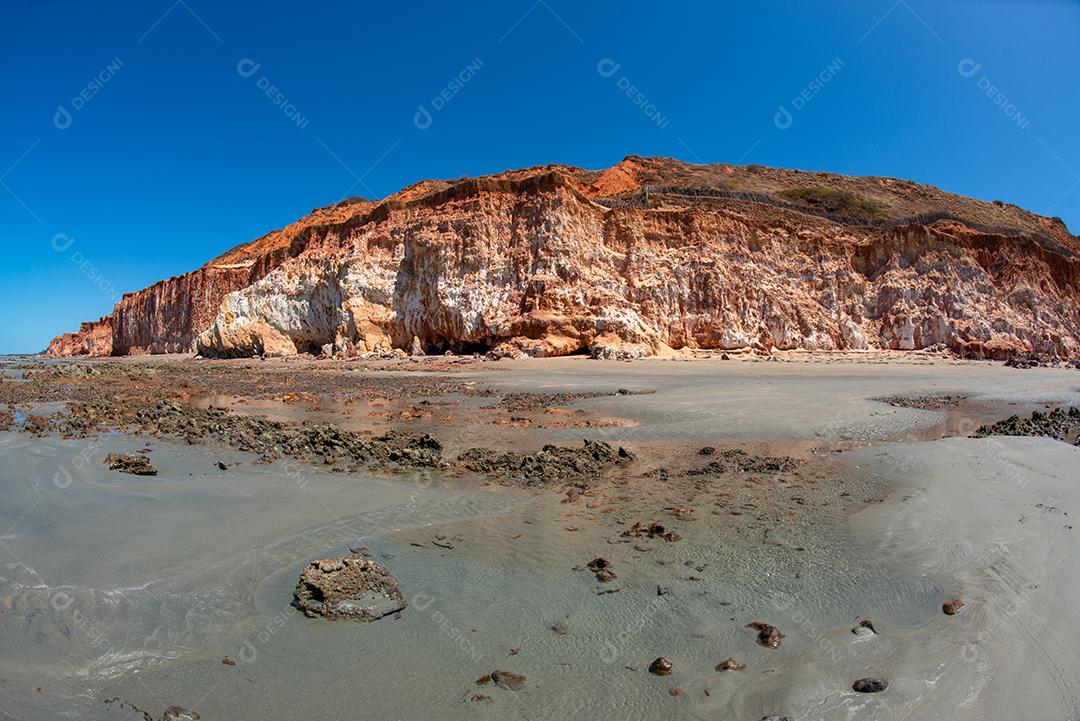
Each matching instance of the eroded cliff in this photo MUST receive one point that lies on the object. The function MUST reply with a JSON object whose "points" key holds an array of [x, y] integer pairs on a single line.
{"points": [[648, 255]]}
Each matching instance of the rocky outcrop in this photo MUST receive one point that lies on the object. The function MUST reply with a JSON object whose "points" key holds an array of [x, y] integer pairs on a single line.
{"points": [[169, 315], [650, 255], [92, 339]]}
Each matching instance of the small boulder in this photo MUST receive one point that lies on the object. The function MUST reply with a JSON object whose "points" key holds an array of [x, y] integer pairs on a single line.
{"points": [[768, 636], [653, 530], [507, 680], [661, 667], [133, 463], [602, 568], [864, 628], [870, 685], [950, 608], [730, 664], [353, 587]]}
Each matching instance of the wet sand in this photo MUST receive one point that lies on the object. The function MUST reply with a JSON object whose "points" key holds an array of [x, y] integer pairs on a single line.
{"points": [[113, 585]]}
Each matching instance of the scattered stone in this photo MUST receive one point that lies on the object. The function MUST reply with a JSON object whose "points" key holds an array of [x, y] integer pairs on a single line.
{"points": [[927, 402], [602, 568], [480, 697], [519, 402], [561, 628], [179, 713], [353, 587], [125, 705], [730, 664], [863, 626], [274, 439], [130, 463], [1060, 424], [675, 691], [768, 636], [735, 460], [870, 685], [228, 661], [507, 680], [1035, 360], [483, 680], [653, 530], [707, 451], [223, 465], [661, 667], [551, 464], [950, 608]]}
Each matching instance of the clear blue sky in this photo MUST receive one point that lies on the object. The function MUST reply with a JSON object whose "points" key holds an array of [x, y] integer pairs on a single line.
{"points": [[164, 154]]}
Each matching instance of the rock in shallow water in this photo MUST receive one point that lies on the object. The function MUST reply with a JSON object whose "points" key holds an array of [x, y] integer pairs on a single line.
{"points": [[768, 636], [730, 664], [353, 587], [661, 667], [950, 608], [602, 568], [130, 463], [507, 680], [550, 464], [870, 685], [653, 530]]}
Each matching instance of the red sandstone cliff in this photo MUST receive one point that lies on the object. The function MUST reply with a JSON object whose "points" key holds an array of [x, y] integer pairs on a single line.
{"points": [[649, 254], [169, 315]]}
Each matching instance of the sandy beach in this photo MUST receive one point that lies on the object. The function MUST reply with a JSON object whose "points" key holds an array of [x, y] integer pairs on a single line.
{"points": [[121, 591]]}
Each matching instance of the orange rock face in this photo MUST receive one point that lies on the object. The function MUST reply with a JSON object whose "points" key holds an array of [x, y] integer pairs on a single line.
{"points": [[92, 339], [648, 255]]}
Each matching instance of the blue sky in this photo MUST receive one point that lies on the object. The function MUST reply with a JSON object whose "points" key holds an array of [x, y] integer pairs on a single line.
{"points": [[137, 139]]}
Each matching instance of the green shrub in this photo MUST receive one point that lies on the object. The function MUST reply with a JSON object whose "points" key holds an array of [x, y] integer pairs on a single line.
{"points": [[840, 202]]}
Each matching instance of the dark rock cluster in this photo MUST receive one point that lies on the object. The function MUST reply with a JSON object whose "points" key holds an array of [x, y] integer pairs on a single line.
{"points": [[552, 464]]}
